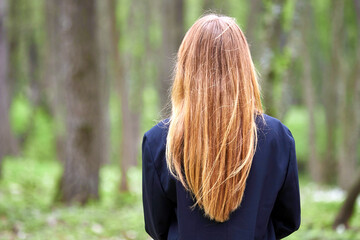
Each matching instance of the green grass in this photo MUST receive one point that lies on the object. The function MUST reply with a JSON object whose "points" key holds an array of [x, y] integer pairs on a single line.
{"points": [[27, 212], [319, 206]]}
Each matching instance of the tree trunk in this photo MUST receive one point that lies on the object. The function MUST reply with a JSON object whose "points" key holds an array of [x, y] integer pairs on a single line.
{"points": [[313, 162], [309, 96], [130, 116], [350, 125], [350, 117], [120, 84], [347, 209], [8, 144], [54, 82], [80, 70], [172, 34], [103, 36], [331, 94]]}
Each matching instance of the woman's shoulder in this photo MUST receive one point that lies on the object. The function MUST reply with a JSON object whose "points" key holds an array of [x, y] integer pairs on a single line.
{"points": [[160, 125], [158, 131], [272, 129]]}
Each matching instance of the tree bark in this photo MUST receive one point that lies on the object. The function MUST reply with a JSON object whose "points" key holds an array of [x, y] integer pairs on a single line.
{"points": [[350, 117], [347, 209], [348, 206], [80, 71], [54, 84], [309, 96], [8, 144], [130, 113], [331, 93], [350, 127], [103, 36], [313, 161], [172, 34]]}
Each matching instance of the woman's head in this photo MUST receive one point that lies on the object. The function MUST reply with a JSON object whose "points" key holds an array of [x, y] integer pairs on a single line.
{"points": [[215, 99], [214, 53]]}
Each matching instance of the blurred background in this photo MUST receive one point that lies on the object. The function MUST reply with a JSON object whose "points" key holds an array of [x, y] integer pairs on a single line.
{"points": [[81, 81]]}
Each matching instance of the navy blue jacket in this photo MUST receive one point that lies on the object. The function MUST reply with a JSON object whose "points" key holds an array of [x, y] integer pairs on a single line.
{"points": [[270, 208]]}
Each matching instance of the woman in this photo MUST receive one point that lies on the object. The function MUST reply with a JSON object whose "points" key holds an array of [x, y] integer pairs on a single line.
{"points": [[218, 168]]}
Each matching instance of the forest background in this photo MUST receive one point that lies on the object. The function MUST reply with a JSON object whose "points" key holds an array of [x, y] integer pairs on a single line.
{"points": [[81, 81]]}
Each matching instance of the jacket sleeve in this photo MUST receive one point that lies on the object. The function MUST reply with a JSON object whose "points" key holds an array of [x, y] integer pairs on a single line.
{"points": [[286, 212], [158, 208]]}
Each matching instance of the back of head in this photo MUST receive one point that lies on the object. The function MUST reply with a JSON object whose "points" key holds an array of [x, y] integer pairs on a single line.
{"points": [[215, 99]]}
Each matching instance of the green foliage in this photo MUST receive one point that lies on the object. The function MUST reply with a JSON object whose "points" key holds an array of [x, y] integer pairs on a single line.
{"points": [[150, 113], [26, 37], [20, 113], [115, 126], [282, 61], [41, 142], [322, 28], [193, 11], [297, 120], [288, 14], [36, 129], [320, 119], [239, 10]]}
